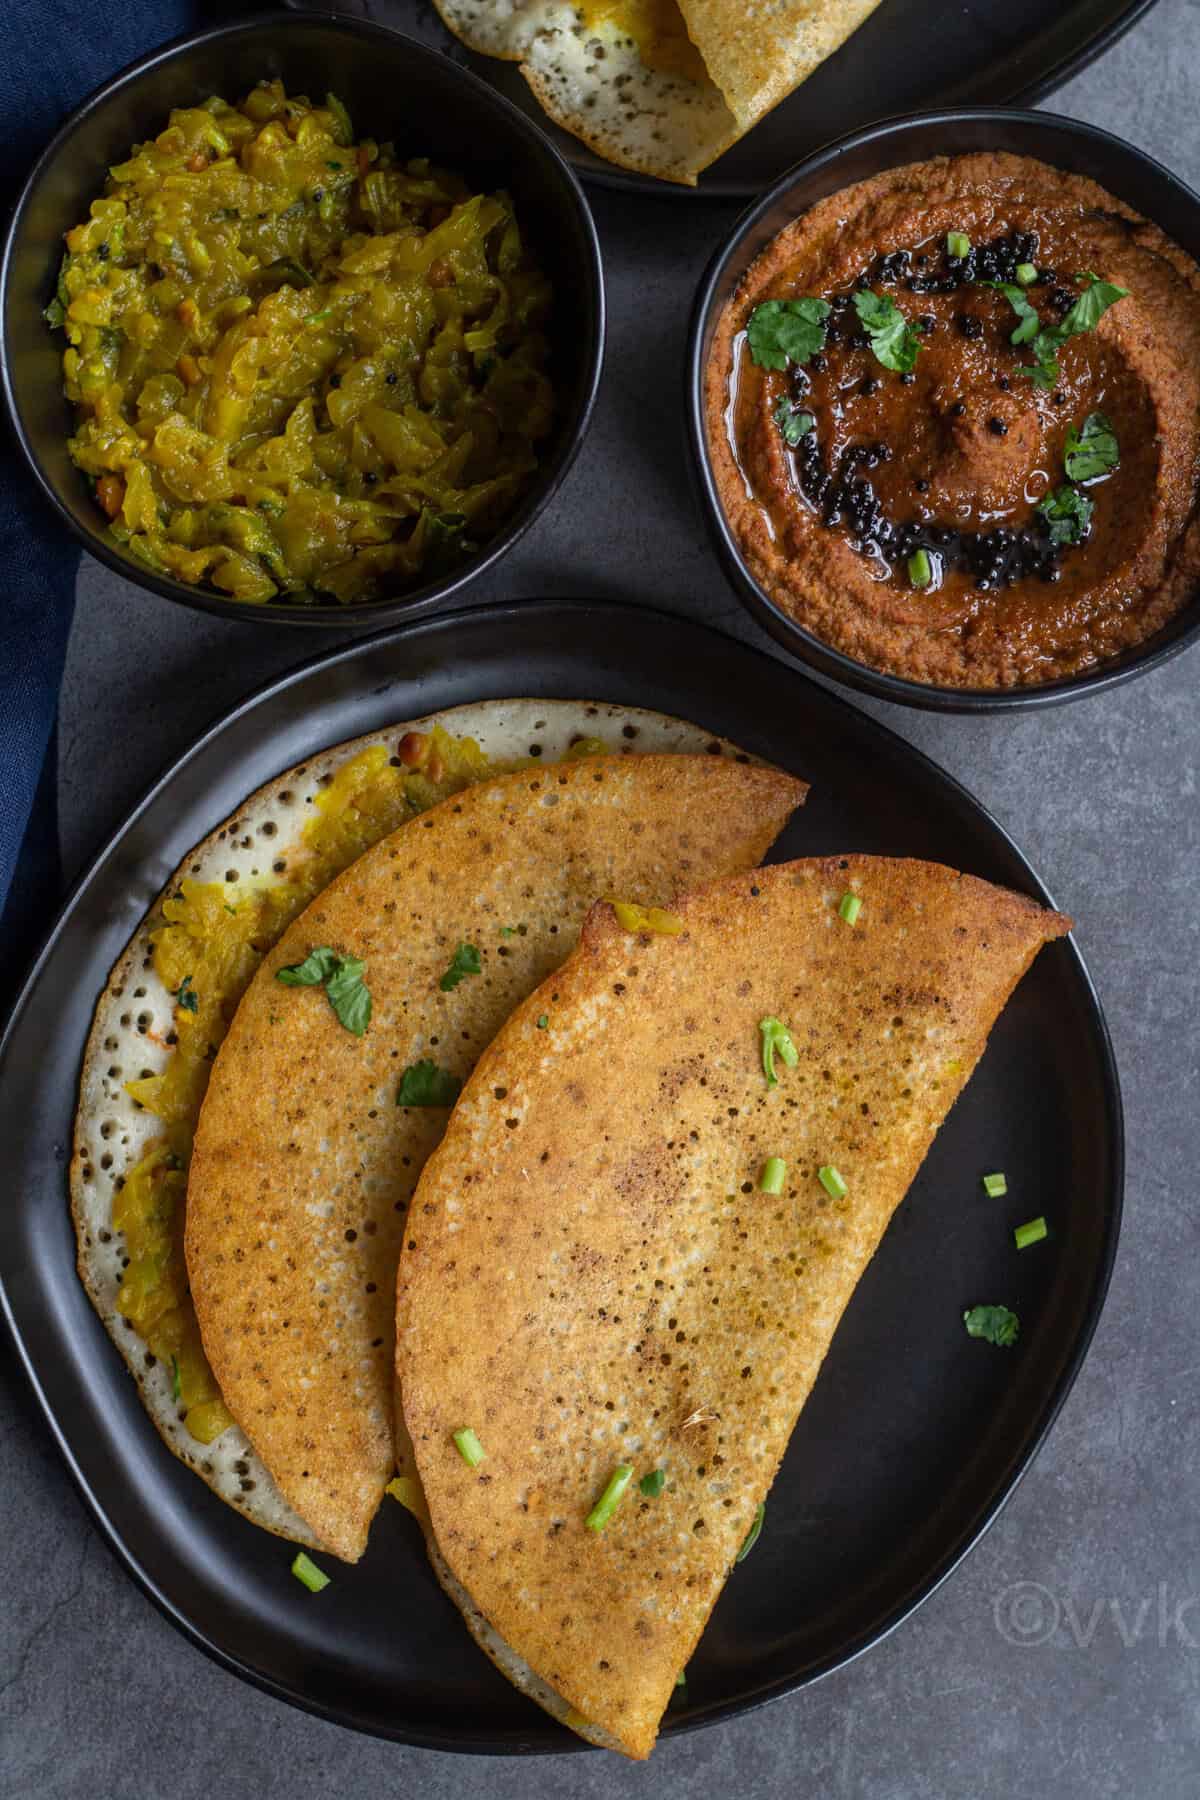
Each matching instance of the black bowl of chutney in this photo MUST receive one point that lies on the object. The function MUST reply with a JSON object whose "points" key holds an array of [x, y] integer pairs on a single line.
{"points": [[1081, 150], [394, 89]]}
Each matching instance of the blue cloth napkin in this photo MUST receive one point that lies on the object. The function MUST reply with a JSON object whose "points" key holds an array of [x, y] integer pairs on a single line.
{"points": [[51, 57]]}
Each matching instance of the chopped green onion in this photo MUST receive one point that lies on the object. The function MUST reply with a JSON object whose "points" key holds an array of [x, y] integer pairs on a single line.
{"points": [[1026, 274], [995, 1186], [306, 1570], [319, 318], [831, 1181], [176, 1382], [508, 931], [1032, 1232], [681, 1678], [653, 1484], [920, 569], [469, 1447], [849, 908], [751, 1537], [776, 1038], [772, 1175], [610, 1499], [543, 1021], [958, 243]]}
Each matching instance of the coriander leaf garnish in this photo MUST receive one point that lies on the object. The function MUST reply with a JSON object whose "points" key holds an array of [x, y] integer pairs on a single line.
{"points": [[424, 1084], [1093, 450], [783, 331], [186, 995], [317, 967], [342, 979], [1068, 514], [1030, 324], [793, 421], [751, 1537], [653, 1484], [1084, 316], [894, 341], [464, 962], [1044, 372], [776, 1038], [996, 1324], [1092, 304], [348, 995]]}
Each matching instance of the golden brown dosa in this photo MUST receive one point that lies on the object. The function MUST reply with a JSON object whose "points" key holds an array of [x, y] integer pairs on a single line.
{"points": [[655, 86], [304, 1162], [592, 1277]]}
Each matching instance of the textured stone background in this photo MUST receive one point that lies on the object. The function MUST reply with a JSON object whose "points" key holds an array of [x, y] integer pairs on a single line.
{"points": [[101, 1700]]}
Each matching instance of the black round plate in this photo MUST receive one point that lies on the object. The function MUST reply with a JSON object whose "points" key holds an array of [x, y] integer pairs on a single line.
{"points": [[907, 57], [914, 1435]]}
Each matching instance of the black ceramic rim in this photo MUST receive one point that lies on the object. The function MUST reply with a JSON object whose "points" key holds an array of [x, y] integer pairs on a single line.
{"points": [[558, 616], [801, 643], [1026, 93], [432, 595]]}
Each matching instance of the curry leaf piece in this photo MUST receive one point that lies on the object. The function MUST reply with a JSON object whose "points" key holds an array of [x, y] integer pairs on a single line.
{"points": [[894, 341], [783, 331], [1091, 451]]}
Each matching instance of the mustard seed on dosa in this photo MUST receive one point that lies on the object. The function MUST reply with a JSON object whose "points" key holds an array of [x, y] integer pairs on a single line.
{"points": [[592, 1278], [305, 1158]]}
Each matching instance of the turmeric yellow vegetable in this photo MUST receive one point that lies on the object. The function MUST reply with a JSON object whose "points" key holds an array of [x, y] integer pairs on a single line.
{"points": [[303, 369]]}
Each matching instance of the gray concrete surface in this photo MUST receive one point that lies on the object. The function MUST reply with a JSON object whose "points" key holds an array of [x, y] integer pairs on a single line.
{"points": [[1064, 1657]]}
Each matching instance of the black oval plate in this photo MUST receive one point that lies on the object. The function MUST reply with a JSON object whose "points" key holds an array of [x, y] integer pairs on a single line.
{"points": [[909, 56], [914, 1435]]}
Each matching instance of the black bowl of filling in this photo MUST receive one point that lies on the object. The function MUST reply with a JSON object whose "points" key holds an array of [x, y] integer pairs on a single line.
{"points": [[300, 322], [944, 410]]}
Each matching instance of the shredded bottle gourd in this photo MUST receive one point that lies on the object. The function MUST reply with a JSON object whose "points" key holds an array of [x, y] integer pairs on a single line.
{"points": [[304, 370]]}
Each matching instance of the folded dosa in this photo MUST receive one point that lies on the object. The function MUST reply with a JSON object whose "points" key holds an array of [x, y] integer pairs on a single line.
{"points": [[592, 1277], [304, 1160], [652, 85]]}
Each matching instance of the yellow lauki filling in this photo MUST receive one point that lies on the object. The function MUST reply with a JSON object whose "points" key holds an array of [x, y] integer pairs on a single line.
{"points": [[302, 369], [658, 29], [212, 939]]}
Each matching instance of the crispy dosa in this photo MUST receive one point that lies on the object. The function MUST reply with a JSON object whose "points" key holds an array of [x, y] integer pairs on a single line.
{"points": [[592, 1276], [651, 85], [304, 1161], [287, 840]]}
